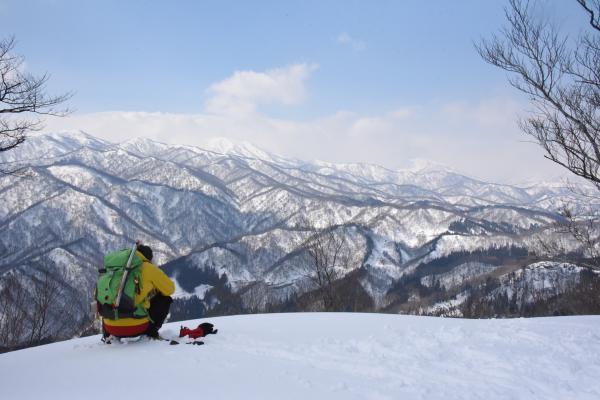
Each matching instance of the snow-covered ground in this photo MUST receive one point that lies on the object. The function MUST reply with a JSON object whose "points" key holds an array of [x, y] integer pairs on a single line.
{"points": [[324, 356]]}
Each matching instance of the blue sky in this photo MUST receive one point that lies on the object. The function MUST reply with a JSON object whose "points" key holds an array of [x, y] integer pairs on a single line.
{"points": [[382, 81]]}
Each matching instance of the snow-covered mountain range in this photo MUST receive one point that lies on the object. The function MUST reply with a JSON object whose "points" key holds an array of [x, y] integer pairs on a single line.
{"points": [[243, 212]]}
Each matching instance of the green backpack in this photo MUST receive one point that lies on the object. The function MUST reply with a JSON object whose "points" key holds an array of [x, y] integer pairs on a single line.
{"points": [[109, 283]]}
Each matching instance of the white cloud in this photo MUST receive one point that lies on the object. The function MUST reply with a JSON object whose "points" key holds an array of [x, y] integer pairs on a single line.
{"points": [[355, 44], [245, 90], [480, 138], [368, 126]]}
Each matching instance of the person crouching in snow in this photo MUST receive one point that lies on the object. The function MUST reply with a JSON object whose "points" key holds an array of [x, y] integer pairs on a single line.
{"points": [[154, 290]]}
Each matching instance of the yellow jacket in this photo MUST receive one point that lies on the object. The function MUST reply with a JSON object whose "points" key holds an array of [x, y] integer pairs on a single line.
{"points": [[153, 278]]}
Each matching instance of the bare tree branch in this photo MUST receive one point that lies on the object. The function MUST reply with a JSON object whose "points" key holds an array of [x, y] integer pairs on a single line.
{"points": [[562, 83], [22, 94], [561, 78], [330, 259], [593, 11]]}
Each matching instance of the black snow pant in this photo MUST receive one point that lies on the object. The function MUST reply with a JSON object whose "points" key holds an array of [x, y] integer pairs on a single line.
{"points": [[158, 311]]}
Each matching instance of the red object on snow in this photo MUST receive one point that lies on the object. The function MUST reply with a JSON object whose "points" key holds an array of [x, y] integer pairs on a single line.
{"points": [[192, 333]]}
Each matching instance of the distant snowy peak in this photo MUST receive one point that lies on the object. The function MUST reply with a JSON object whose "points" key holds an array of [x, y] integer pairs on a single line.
{"points": [[425, 174], [420, 165], [74, 139], [229, 147], [49, 145], [220, 146], [144, 146]]}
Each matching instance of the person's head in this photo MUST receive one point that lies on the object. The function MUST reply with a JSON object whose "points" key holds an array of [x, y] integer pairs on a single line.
{"points": [[146, 251]]}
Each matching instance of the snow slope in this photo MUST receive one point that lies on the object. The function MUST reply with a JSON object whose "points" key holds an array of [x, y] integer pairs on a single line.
{"points": [[325, 356]]}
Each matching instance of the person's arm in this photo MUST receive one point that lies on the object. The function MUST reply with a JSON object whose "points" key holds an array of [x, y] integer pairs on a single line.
{"points": [[161, 281]]}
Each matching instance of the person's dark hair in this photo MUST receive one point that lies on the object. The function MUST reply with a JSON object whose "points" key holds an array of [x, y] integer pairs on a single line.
{"points": [[146, 251]]}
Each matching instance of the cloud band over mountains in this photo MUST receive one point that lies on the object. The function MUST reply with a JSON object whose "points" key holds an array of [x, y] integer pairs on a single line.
{"points": [[481, 139]]}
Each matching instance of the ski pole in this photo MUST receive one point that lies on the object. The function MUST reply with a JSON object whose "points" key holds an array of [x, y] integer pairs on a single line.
{"points": [[124, 277]]}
